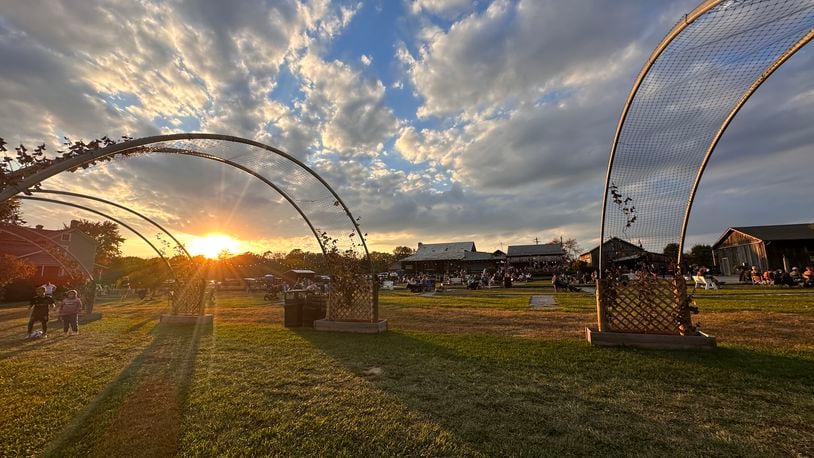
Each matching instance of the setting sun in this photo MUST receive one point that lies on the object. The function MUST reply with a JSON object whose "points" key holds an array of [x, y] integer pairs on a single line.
{"points": [[212, 245]]}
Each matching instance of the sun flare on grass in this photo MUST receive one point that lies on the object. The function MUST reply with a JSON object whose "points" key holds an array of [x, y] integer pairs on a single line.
{"points": [[211, 245]]}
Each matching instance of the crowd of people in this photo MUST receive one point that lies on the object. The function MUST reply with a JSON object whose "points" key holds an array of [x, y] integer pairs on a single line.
{"points": [[780, 277], [488, 278]]}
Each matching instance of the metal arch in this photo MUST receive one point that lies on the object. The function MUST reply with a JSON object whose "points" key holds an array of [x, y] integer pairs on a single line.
{"points": [[688, 19], [252, 173], [746, 95], [99, 199], [45, 250], [84, 159], [103, 215]]}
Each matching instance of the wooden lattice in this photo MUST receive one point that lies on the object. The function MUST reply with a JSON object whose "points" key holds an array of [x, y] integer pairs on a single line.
{"points": [[644, 306], [189, 298], [357, 304]]}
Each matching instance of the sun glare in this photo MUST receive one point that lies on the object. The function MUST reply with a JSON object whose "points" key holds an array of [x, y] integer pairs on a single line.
{"points": [[212, 245]]}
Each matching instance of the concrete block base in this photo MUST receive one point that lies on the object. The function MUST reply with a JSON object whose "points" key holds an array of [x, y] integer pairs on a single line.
{"points": [[187, 319], [351, 326], [699, 341]]}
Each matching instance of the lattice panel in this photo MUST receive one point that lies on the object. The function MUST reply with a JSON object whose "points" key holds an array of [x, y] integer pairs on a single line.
{"points": [[189, 299], [645, 306], [358, 304]]}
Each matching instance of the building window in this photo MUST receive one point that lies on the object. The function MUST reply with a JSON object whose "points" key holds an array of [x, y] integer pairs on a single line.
{"points": [[66, 237]]}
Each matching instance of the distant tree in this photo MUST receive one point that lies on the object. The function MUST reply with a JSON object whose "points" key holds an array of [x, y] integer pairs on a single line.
{"points": [[295, 259], [402, 252], [571, 248], [671, 250], [13, 268], [107, 237], [10, 212], [382, 261], [700, 255]]}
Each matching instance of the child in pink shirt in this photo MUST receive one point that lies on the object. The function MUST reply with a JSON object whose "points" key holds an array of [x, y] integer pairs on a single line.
{"points": [[69, 310]]}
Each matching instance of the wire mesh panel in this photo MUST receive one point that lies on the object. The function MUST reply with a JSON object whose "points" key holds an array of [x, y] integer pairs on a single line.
{"points": [[681, 103], [685, 97]]}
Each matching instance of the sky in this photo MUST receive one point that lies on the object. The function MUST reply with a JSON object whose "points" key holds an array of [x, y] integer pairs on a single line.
{"points": [[435, 120]]}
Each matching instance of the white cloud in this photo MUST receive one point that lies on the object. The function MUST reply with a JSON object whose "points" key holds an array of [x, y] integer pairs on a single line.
{"points": [[350, 108]]}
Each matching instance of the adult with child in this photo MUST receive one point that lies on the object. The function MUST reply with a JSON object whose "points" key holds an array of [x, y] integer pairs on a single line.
{"points": [[69, 309], [40, 306]]}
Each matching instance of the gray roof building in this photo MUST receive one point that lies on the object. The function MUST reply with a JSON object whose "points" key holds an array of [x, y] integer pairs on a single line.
{"points": [[442, 257], [546, 249]]}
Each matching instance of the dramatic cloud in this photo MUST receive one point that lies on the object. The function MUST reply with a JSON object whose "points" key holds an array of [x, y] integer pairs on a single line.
{"points": [[433, 119]]}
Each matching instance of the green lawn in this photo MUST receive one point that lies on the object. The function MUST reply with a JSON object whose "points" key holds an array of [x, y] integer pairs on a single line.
{"points": [[248, 386]]}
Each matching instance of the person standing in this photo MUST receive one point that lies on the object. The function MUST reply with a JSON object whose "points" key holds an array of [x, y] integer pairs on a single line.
{"points": [[69, 310], [50, 288], [40, 306]]}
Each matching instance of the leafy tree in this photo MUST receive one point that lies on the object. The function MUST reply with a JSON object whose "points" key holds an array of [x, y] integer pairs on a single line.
{"points": [[571, 248], [13, 268], [107, 237], [10, 212], [402, 252], [700, 255], [671, 250], [382, 261]]}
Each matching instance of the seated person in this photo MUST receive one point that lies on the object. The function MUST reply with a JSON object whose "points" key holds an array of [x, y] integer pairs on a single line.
{"points": [[768, 277], [808, 277]]}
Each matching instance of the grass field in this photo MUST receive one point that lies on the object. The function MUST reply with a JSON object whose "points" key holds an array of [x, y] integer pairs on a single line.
{"points": [[460, 373]]}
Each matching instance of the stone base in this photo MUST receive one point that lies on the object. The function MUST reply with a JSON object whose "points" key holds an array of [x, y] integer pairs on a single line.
{"points": [[187, 319], [351, 326], [699, 341]]}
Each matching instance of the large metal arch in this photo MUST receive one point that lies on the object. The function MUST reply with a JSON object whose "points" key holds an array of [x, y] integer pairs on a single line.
{"points": [[106, 216], [25, 182], [763, 77], [705, 7], [127, 209]]}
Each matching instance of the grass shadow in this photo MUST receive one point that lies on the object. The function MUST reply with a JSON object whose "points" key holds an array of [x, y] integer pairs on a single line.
{"points": [[140, 411], [519, 396]]}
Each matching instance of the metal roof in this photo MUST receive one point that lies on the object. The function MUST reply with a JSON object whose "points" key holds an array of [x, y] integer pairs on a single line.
{"points": [[450, 246], [453, 251], [773, 232], [546, 249]]}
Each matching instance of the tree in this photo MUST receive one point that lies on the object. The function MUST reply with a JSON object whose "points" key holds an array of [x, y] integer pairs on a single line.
{"points": [[10, 212], [382, 261], [13, 269], [107, 238], [402, 252], [700, 255], [571, 248], [671, 250]]}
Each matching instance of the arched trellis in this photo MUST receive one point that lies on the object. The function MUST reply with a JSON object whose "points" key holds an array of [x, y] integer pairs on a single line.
{"points": [[108, 217], [320, 206], [687, 94], [120, 206]]}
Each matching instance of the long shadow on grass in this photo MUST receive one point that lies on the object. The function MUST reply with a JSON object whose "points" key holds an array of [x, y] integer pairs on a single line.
{"points": [[141, 410], [516, 396]]}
